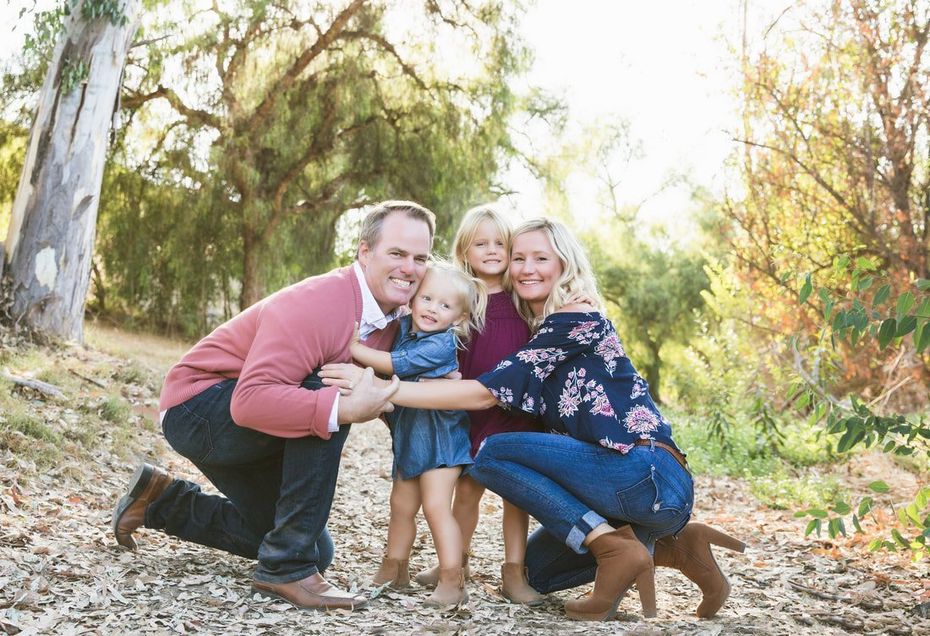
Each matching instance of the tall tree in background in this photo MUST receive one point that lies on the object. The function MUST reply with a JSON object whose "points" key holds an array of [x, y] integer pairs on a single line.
{"points": [[836, 143], [277, 119], [834, 162], [50, 240]]}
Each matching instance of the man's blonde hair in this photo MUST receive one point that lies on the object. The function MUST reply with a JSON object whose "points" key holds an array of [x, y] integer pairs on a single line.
{"points": [[472, 292], [468, 228], [577, 275]]}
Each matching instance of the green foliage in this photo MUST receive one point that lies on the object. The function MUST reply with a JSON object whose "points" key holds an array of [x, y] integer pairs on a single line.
{"points": [[112, 10], [855, 319], [282, 121], [74, 72], [114, 409], [833, 165]]}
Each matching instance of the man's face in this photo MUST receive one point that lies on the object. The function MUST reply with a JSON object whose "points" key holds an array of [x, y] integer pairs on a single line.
{"points": [[395, 265]]}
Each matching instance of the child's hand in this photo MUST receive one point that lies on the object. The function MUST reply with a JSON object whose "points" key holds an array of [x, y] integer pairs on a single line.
{"points": [[580, 298], [355, 337]]}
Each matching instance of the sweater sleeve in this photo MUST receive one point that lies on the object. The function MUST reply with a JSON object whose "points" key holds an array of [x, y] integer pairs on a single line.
{"points": [[285, 350]]}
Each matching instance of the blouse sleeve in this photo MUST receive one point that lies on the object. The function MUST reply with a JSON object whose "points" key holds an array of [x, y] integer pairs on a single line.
{"points": [[517, 382], [430, 357]]}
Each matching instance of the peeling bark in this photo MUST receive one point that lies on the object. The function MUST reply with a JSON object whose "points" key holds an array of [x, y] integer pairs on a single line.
{"points": [[51, 234]]}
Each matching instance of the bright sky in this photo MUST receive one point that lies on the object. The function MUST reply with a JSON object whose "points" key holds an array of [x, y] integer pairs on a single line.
{"points": [[667, 69], [664, 67]]}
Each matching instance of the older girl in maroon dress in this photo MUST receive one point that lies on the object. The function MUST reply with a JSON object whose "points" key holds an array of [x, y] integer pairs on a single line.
{"points": [[481, 248]]}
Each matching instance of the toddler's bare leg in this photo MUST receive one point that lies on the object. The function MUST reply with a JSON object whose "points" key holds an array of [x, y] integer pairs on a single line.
{"points": [[402, 529]]}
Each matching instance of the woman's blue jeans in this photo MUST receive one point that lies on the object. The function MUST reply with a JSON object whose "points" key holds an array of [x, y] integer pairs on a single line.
{"points": [[277, 492], [571, 487]]}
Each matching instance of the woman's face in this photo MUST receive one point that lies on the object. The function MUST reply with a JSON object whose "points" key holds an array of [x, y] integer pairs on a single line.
{"points": [[534, 268]]}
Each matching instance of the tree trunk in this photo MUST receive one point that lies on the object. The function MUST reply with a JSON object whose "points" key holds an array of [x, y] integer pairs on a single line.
{"points": [[50, 240], [252, 283], [654, 371]]}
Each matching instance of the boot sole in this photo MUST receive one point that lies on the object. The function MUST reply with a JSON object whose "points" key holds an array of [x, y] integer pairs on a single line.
{"points": [[602, 616], [272, 595]]}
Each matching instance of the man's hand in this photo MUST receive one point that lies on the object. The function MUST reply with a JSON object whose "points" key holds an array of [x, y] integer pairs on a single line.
{"points": [[367, 399]]}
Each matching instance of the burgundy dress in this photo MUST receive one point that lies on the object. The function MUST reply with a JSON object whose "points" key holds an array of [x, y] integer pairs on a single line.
{"points": [[504, 333]]}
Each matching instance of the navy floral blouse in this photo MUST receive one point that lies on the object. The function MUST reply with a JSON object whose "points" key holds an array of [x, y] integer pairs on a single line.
{"points": [[575, 376]]}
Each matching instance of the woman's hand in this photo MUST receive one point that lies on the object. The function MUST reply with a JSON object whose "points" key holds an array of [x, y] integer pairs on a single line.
{"points": [[344, 375], [580, 298]]}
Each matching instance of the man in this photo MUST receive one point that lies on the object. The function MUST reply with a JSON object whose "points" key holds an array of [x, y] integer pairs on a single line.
{"points": [[245, 406]]}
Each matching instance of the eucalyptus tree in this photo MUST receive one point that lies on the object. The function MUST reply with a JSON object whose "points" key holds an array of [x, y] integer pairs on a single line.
{"points": [[50, 239], [277, 118]]}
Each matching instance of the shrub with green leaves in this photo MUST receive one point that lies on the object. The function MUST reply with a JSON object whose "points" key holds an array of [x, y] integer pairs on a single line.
{"points": [[856, 319]]}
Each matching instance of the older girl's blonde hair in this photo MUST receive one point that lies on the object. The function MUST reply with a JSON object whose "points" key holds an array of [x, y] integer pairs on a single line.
{"points": [[577, 275], [465, 235], [472, 291]]}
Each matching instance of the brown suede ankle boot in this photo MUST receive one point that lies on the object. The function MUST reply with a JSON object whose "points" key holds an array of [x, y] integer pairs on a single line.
{"points": [[395, 573], [450, 589], [621, 559], [429, 578], [516, 588], [691, 554]]}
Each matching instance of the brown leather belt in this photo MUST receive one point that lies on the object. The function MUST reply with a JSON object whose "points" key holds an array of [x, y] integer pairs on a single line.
{"points": [[671, 450]]}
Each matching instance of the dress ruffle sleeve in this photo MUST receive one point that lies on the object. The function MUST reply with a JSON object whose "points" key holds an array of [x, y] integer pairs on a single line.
{"points": [[517, 382]]}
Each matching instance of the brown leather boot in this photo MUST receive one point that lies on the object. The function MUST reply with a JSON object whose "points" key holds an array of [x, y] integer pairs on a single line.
{"points": [[516, 588], [429, 578], [450, 589], [395, 573], [146, 485], [312, 592], [691, 554], [621, 559]]}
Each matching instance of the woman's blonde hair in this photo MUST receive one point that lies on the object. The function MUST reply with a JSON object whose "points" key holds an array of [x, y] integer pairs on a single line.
{"points": [[473, 292], [577, 275], [465, 235]]}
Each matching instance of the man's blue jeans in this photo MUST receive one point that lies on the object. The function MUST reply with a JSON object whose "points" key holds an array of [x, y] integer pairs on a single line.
{"points": [[571, 487], [278, 492]]}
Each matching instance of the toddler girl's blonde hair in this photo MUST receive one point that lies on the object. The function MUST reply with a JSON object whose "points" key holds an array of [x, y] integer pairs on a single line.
{"points": [[472, 291], [577, 274], [465, 235]]}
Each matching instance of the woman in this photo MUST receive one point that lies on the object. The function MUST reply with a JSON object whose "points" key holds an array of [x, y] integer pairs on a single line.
{"points": [[612, 485]]}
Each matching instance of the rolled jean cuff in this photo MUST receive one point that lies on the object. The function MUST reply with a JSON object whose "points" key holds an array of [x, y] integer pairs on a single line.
{"points": [[582, 528]]}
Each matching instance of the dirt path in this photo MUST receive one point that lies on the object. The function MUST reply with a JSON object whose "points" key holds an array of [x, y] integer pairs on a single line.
{"points": [[61, 571]]}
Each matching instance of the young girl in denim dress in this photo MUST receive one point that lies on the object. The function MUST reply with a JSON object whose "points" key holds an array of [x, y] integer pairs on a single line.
{"points": [[430, 446], [481, 248]]}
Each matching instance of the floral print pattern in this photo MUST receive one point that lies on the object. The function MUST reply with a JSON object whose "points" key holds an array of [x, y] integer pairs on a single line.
{"points": [[503, 394], [585, 333], [544, 361], [575, 375], [609, 349], [639, 419]]}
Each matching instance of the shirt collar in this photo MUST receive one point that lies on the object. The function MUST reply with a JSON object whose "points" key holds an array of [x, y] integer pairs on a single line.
{"points": [[372, 316]]}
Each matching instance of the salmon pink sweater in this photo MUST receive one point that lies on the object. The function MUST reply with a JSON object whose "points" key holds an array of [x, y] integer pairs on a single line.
{"points": [[271, 347]]}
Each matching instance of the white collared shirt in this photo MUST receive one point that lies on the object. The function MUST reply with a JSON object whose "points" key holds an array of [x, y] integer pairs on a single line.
{"points": [[372, 316], [372, 320]]}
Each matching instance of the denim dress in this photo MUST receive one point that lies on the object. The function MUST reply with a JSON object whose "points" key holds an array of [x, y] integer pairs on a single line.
{"points": [[424, 439]]}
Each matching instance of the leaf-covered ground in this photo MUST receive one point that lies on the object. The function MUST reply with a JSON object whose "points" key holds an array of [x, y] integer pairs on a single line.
{"points": [[61, 571]]}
